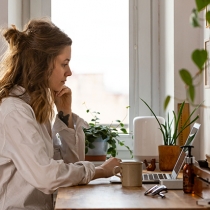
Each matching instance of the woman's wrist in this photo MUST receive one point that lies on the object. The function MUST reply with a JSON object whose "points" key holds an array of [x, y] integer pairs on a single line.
{"points": [[66, 117], [99, 173]]}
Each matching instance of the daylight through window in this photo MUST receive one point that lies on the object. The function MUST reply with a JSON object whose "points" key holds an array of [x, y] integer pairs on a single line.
{"points": [[100, 55]]}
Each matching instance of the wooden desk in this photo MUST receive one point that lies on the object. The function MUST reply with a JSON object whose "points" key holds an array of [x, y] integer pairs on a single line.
{"points": [[100, 194]]}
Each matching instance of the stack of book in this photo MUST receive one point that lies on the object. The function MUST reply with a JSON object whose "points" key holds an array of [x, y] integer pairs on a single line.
{"points": [[208, 160], [202, 182]]}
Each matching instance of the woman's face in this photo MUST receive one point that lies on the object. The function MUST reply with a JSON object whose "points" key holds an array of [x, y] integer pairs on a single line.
{"points": [[61, 70]]}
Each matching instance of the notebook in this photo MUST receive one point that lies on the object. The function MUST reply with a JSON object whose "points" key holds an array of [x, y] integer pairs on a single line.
{"points": [[155, 178]]}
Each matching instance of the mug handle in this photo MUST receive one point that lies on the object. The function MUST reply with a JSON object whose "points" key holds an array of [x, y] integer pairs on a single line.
{"points": [[114, 171]]}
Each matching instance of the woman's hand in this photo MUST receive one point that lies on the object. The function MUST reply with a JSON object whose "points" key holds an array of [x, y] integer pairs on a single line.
{"points": [[63, 101], [106, 169]]}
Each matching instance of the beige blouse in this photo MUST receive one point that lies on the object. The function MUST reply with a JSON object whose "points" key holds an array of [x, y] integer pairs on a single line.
{"points": [[32, 165]]}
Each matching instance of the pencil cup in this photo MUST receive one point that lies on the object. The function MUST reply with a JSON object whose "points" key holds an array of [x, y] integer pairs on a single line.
{"points": [[130, 173]]}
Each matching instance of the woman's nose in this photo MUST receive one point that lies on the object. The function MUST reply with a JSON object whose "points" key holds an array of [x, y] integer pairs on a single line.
{"points": [[69, 72]]}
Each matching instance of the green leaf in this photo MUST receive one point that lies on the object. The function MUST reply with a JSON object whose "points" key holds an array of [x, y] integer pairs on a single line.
{"points": [[91, 146], [194, 20], [121, 124], [201, 4], [121, 143], [114, 153], [166, 102], [191, 92], [154, 115], [189, 140], [199, 57], [177, 120], [124, 130], [186, 76], [208, 17]]}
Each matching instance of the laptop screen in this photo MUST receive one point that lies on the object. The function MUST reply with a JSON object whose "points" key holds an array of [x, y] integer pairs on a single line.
{"points": [[181, 158]]}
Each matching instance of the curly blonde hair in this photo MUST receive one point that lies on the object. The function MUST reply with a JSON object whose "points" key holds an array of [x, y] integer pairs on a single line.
{"points": [[29, 62]]}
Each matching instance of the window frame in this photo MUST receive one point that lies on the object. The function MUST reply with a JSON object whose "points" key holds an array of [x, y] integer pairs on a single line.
{"points": [[143, 54]]}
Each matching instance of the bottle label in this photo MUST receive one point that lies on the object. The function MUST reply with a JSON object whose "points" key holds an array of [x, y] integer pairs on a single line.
{"points": [[188, 180]]}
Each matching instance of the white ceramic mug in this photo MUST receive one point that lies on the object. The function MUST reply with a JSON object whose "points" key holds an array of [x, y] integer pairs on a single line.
{"points": [[130, 173]]}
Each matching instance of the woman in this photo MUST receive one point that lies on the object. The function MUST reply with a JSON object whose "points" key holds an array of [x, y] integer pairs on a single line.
{"points": [[32, 165]]}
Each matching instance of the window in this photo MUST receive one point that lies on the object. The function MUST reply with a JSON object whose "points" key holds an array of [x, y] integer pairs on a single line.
{"points": [[100, 55], [115, 45]]}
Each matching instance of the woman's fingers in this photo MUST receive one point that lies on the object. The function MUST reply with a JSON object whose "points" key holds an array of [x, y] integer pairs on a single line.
{"points": [[64, 90], [63, 99], [109, 165]]}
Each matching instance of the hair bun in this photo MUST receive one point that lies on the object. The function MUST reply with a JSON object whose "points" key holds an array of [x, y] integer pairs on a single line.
{"points": [[13, 36]]}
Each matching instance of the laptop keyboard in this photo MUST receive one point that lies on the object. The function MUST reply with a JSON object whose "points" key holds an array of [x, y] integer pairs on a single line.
{"points": [[154, 176], [146, 178]]}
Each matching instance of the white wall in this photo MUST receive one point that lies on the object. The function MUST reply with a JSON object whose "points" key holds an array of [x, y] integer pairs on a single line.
{"points": [[186, 40]]}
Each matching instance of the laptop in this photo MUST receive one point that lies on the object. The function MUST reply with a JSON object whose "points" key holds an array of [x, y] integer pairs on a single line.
{"points": [[154, 178]]}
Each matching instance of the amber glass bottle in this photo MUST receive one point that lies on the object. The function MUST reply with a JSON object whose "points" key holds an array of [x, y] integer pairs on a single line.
{"points": [[188, 172]]}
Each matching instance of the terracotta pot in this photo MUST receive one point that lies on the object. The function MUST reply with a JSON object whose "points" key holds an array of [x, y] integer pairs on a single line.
{"points": [[95, 157], [168, 156]]}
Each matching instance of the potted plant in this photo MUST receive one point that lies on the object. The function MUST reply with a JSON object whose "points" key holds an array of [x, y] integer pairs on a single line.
{"points": [[170, 131], [101, 140]]}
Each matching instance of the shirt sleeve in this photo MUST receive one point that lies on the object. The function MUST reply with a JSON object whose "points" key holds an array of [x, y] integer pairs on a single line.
{"points": [[69, 144], [30, 148]]}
